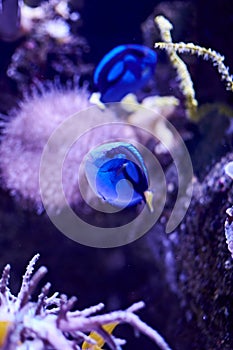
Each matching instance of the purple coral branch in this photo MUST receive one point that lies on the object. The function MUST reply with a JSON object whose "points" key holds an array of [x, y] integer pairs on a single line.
{"points": [[42, 298], [24, 292], [127, 316], [5, 279], [41, 326], [88, 311]]}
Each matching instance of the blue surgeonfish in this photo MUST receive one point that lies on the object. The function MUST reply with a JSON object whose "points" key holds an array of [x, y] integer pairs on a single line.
{"points": [[116, 173], [125, 69]]}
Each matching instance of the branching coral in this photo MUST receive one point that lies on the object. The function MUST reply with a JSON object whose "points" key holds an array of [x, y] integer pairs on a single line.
{"points": [[49, 322], [207, 54], [186, 84]]}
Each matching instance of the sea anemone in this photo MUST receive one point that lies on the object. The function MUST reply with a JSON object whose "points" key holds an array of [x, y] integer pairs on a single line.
{"points": [[27, 132]]}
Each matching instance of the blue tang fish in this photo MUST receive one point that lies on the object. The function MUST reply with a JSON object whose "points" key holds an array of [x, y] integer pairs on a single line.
{"points": [[116, 172], [125, 69]]}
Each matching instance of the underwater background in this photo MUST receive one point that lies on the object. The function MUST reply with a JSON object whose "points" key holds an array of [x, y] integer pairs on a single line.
{"points": [[184, 278]]}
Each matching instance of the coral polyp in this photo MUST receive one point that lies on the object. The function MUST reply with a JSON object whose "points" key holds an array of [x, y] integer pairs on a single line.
{"points": [[49, 324]]}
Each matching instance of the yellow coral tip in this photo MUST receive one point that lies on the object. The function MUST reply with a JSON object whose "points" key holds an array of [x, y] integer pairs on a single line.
{"points": [[95, 99], [4, 326], [149, 200]]}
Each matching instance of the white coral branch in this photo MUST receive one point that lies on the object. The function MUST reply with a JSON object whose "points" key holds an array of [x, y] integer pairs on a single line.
{"points": [[127, 316], [49, 323]]}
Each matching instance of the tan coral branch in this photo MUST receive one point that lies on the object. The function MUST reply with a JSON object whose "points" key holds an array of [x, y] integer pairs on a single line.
{"points": [[207, 54], [186, 84]]}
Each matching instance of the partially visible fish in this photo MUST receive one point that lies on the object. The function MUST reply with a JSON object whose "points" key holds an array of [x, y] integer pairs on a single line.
{"points": [[116, 172], [98, 339], [125, 69]]}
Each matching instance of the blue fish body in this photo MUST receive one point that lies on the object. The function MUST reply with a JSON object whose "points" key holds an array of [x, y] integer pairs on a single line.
{"points": [[125, 69], [116, 172]]}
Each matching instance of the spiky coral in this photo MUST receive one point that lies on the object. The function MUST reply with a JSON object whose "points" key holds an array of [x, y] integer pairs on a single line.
{"points": [[207, 54], [49, 322], [186, 84]]}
